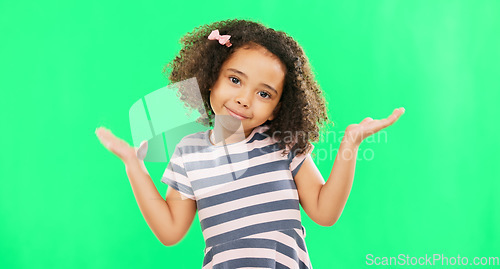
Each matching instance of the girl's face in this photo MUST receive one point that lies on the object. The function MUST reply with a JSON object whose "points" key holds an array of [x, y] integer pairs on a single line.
{"points": [[250, 85]]}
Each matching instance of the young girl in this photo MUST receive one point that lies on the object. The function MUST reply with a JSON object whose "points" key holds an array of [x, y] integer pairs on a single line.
{"points": [[247, 176]]}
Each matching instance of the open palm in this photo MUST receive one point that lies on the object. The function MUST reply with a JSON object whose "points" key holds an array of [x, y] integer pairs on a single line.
{"points": [[356, 133], [119, 147]]}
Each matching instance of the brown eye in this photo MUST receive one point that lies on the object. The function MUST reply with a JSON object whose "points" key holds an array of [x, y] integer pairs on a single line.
{"points": [[234, 80], [266, 94]]}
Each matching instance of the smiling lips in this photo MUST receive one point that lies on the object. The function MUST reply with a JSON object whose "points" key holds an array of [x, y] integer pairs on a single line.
{"points": [[236, 115]]}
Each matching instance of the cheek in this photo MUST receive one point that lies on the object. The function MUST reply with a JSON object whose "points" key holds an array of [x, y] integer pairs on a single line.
{"points": [[221, 95], [216, 100], [263, 108], [215, 95]]}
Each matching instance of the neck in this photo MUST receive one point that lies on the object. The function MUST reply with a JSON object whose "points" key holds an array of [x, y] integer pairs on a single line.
{"points": [[221, 135]]}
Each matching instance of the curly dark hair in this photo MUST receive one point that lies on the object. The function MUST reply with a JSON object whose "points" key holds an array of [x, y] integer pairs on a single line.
{"points": [[303, 106]]}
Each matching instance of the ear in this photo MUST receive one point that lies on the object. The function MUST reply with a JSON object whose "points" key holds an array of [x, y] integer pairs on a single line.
{"points": [[275, 111]]}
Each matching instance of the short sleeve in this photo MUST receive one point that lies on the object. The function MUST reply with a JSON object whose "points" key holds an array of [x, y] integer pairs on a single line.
{"points": [[298, 159], [175, 175]]}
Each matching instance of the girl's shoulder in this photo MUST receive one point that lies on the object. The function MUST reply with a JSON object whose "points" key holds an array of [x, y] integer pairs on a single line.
{"points": [[193, 140]]}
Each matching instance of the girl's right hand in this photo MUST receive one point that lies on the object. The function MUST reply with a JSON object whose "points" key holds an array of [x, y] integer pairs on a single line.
{"points": [[121, 148]]}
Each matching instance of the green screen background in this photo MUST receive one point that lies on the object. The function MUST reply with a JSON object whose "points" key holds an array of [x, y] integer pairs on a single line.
{"points": [[431, 187]]}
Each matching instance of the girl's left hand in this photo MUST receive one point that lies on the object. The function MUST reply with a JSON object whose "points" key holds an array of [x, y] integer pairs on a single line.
{"points": [[356, 133]]}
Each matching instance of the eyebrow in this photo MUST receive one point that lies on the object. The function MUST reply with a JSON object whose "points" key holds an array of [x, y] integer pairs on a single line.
{"points": [[243, 74]]}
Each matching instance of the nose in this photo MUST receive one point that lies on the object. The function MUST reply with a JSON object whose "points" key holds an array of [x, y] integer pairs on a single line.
{"points": [[243, 98], [242, 103]]}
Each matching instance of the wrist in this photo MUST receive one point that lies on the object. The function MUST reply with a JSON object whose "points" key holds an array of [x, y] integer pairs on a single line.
{"points": [[135, 165], [348, 142], [131, 163], [348, 149]]}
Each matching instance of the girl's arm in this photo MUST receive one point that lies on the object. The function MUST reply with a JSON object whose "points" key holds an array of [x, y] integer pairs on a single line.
{"points": [[169, 220], [333, 195], [324, 202]]}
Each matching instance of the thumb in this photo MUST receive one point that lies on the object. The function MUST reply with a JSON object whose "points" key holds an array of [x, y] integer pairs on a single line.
{"points": [[142, 150]]}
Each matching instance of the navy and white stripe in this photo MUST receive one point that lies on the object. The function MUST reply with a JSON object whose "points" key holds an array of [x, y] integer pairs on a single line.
{"points": [[246, 197]]}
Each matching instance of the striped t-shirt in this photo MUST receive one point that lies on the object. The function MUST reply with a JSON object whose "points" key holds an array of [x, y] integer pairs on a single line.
{"points": [[247, 200]]}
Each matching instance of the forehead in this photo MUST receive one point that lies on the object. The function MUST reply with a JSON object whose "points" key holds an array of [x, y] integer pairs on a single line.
{"points": [[259, 64]]}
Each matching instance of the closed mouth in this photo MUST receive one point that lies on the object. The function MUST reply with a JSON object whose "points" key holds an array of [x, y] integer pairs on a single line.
{"points": [[236, 114]]}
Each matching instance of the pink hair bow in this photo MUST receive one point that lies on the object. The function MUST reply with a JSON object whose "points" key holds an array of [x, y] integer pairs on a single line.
{"points": [[223, 39]]}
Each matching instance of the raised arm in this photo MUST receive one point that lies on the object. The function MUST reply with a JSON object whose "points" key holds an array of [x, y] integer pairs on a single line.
{"points": [[324, 202], [169, 219]]}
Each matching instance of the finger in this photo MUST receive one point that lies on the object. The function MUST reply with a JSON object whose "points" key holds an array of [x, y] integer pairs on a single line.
{"points": [[393, 117], [111, 142], [107, 138], [366, 120], [104, 136], [378, 125], [396, 114]]}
